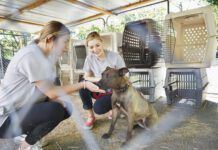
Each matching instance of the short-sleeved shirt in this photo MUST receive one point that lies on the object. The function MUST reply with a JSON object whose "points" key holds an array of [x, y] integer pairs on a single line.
{"points": [[96, 66], [27, 66]]}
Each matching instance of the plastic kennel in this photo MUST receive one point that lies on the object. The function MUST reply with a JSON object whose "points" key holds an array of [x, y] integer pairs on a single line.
{"points": [[141, 44], [185, 84], [141, 48], [143, 81], [190, 40]]}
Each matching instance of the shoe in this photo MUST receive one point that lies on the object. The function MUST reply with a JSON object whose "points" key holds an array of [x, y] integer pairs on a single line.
{"points": [[19, 139], [89, 123], [26, 146]]}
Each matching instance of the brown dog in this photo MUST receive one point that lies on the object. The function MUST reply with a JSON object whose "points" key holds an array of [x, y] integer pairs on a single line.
{"points": [[126, 99]]}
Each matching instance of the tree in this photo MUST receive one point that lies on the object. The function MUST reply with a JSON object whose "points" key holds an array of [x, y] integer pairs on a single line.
{"points": [[213, 2]]}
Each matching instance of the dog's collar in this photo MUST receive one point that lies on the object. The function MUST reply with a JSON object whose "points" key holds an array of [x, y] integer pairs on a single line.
{"points": [[122, 89]]}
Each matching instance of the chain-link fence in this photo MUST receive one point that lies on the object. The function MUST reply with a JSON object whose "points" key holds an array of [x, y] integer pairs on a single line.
{"points": [[10, 43]]}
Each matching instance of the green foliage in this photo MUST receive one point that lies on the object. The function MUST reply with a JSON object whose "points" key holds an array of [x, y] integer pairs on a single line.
{"points": [[121, 20], [213, 2], [11, 42], [84, 31]]}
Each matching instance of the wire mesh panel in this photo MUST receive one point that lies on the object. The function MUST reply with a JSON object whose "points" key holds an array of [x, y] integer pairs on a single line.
{"points": [[3, 64], [185, 83]]}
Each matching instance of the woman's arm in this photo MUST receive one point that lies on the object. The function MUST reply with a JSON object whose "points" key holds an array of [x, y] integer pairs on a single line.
{"points": [[53, 92], [89, 76]]}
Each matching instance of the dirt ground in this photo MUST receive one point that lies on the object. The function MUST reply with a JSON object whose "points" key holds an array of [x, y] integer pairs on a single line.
{"points": [[198, 131], [181, 129]]}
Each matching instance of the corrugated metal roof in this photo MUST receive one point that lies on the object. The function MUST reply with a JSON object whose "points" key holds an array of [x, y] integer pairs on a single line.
{"points": [[109, 4], [35, 13]]}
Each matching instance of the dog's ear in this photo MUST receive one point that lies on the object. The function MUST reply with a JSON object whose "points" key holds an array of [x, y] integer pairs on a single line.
{"points": [[123, 71], [107, 68]]}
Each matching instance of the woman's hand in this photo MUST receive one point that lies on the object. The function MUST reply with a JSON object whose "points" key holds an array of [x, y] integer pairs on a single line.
{"points": [[89, 76], [93, 79], [92, 87]]}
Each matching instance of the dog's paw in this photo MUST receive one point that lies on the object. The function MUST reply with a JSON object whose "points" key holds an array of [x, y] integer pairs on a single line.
{"points": [[123, 144], [105, 136]]}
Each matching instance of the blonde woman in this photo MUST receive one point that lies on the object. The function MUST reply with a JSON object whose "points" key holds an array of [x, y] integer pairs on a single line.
{"points": [[95, 63]]}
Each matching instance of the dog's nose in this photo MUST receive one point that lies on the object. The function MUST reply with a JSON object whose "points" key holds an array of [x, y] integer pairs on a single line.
{"points": [[99, 83]]}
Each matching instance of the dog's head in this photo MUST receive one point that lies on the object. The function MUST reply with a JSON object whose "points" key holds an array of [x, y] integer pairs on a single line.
{"points": [[112, 78]]}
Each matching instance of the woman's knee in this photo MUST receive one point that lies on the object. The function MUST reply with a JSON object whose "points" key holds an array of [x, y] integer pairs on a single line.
{"points": [[102, 105], [83, 92], [100, 109], [57, 111], [97, 109], [68, 109]]}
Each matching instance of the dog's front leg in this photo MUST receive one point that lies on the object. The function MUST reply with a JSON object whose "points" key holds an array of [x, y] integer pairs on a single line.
{"points": [[130, 127], [115, 114]]}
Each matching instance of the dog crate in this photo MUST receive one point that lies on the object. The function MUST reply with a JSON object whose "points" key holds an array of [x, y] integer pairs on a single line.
{"points": [[141, 46], [187, 84], [142, 81], [190, 39], [78, 54], [148, 82]]}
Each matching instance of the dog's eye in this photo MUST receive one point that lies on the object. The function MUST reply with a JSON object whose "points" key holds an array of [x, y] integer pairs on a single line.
{"points": [[107, 75]]}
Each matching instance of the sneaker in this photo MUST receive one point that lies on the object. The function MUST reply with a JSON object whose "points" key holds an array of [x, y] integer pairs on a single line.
{"points": [[26, 146], [19, 139], [89, 123], [37, 146]]}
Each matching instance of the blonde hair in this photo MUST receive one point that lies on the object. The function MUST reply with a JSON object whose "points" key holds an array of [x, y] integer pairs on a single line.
{"points": [[92, 36], [54, 28]]}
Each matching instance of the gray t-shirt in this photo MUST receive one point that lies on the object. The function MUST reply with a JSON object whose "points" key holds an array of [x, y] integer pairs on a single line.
{"points": [[96, 66], [17, 88]]}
